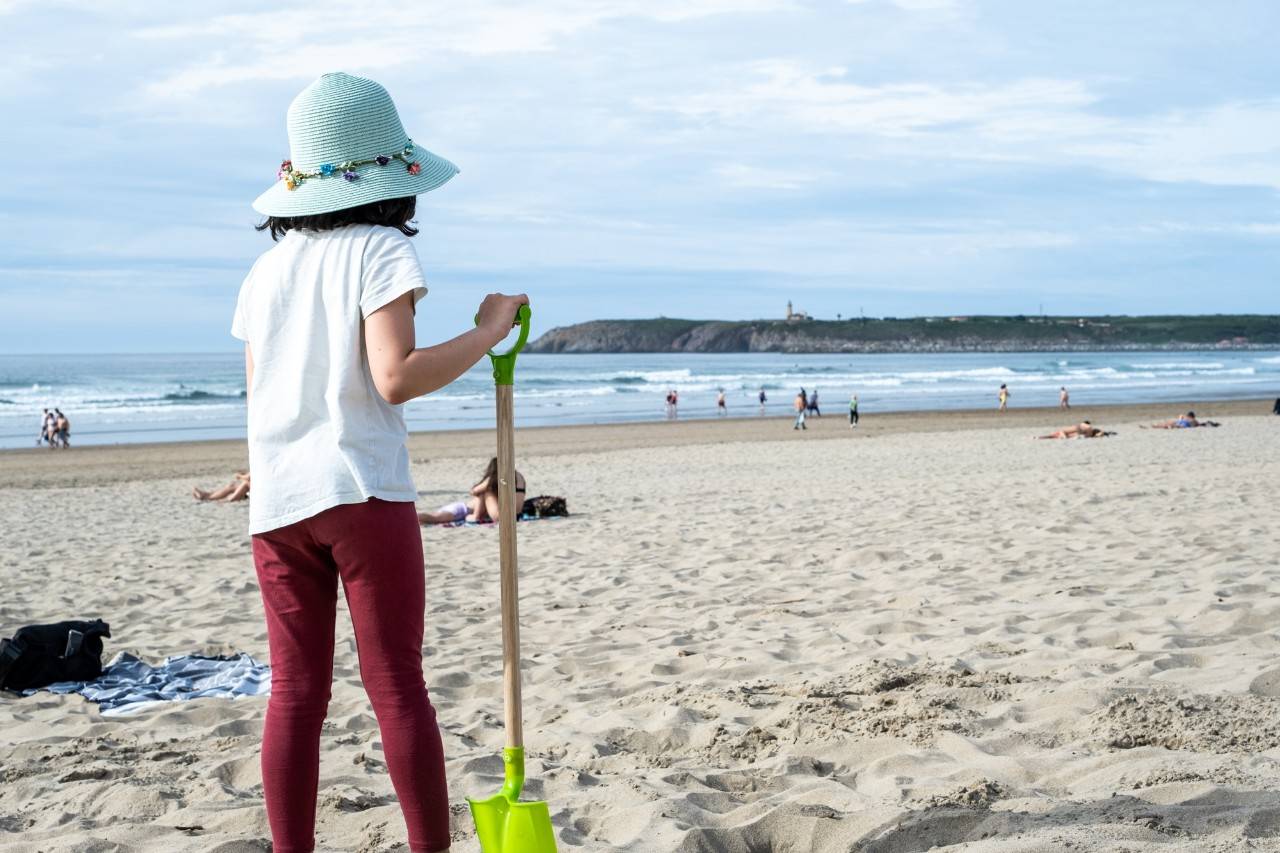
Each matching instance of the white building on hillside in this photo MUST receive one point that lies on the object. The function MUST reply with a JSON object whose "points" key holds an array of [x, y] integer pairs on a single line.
{"points": [[795, 316]]}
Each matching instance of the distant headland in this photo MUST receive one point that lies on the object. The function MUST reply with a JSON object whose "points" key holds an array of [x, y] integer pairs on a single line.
{"points": [[797, 332]]}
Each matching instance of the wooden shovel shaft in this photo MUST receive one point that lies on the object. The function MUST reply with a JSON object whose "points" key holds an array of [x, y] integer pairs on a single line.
{"points": [[507, 514]]}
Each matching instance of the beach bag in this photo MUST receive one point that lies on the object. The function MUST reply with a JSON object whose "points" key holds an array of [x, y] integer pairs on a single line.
{"points": [[39, 655], [545, 506]]}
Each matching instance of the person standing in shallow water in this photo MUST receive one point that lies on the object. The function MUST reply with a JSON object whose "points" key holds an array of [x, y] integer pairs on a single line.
{"points": [[722, 408], [764, 398], [327, 320], [1064, 399], [1004, 397]]}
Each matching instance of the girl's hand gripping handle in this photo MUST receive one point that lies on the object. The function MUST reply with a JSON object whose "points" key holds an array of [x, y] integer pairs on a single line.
{"points": [[504, 364]]}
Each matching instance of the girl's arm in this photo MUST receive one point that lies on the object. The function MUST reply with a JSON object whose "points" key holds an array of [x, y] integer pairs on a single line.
{"points": [[248, 372], [401, 372]]}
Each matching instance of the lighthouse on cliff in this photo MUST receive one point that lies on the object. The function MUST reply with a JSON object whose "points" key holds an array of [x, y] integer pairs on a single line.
{"points": [[795, 316]]}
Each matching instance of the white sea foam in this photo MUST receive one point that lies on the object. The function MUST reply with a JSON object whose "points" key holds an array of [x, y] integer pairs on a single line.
{"points": [[648, 375], [129, 398], [1179, 365]]}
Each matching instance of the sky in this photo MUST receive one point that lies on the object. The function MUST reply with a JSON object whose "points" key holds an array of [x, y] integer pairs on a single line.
{"points": [[640, 158]]}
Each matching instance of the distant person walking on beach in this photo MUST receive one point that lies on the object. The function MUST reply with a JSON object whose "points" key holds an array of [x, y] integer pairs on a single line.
{"points": [[1004, 397], [670, 402], [675, 403], [61, 429], [853, 411], [764, 398], [1064, 399], [1275, 410], [721, 408], [55, 429], [801, 405], [45, 426], [813, 404]]}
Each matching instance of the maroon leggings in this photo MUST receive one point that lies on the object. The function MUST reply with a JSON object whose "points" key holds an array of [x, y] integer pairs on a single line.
{"points": [[376, 549]]}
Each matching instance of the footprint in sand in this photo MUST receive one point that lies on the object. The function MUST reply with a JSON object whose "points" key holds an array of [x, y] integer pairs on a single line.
{"points": [[1266, 684]]}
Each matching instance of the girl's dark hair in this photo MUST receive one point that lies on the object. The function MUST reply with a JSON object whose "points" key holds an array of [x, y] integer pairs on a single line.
{"points": [[491, 474], [393, 213]]}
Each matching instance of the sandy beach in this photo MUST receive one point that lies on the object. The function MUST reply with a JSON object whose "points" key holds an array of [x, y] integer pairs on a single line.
{"points": [[927, 633]]}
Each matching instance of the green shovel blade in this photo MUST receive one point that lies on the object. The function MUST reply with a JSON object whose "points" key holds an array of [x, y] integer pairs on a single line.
{"points": [[506, 825]]}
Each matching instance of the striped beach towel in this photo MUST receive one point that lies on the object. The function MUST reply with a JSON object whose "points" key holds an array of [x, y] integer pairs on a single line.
{"points": [[128, 685]]}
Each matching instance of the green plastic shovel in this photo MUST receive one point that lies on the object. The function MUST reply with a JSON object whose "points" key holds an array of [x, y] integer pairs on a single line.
{"points": [[503, 823]]}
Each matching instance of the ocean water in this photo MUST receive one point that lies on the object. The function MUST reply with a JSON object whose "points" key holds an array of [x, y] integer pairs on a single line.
{"points": [[132, 398]]}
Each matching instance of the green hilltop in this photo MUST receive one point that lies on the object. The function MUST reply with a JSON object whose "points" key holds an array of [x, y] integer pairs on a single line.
{"points": [[976, 333]]}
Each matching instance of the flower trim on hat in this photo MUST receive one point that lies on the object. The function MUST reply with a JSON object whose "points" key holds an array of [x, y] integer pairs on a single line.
{"points": [[294, 177]]}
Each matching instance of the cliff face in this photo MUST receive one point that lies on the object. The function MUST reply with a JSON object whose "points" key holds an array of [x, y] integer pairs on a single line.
{"points": [[980, 334], [680, 336], [615, 336]]}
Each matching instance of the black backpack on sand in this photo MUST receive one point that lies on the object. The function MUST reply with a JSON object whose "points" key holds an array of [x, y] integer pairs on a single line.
{"points": [[545, 506], [39, 655]]}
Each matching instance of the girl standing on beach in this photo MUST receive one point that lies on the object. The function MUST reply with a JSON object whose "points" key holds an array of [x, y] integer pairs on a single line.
{"points": [[327, 319], [1004, 397]]}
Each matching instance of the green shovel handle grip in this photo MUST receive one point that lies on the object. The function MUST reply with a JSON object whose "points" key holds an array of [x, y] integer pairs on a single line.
{"points": [[504, 364]]}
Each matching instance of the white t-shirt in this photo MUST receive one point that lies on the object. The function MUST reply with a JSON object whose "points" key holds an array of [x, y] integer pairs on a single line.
{"points": [[320, 434]]}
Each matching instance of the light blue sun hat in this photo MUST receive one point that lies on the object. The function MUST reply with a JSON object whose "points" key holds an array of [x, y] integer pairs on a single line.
{"points": [[347, 147]]}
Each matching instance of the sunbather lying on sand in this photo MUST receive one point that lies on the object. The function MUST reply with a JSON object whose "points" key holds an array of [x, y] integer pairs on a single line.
{"points": [[1084, 429], [451, 513], [236, 490], [1187, 421], [481, 506]]}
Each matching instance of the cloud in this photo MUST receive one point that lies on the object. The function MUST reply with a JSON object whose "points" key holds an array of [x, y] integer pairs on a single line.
{"points": [[742, 176], [782, 93], [1233, 143], [1248, 229], [1033, 120], [926, 5], [293, 44], [915, 5]]}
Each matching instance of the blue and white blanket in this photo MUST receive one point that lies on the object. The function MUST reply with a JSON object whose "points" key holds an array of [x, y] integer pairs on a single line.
{"points": [[128, 685]]}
